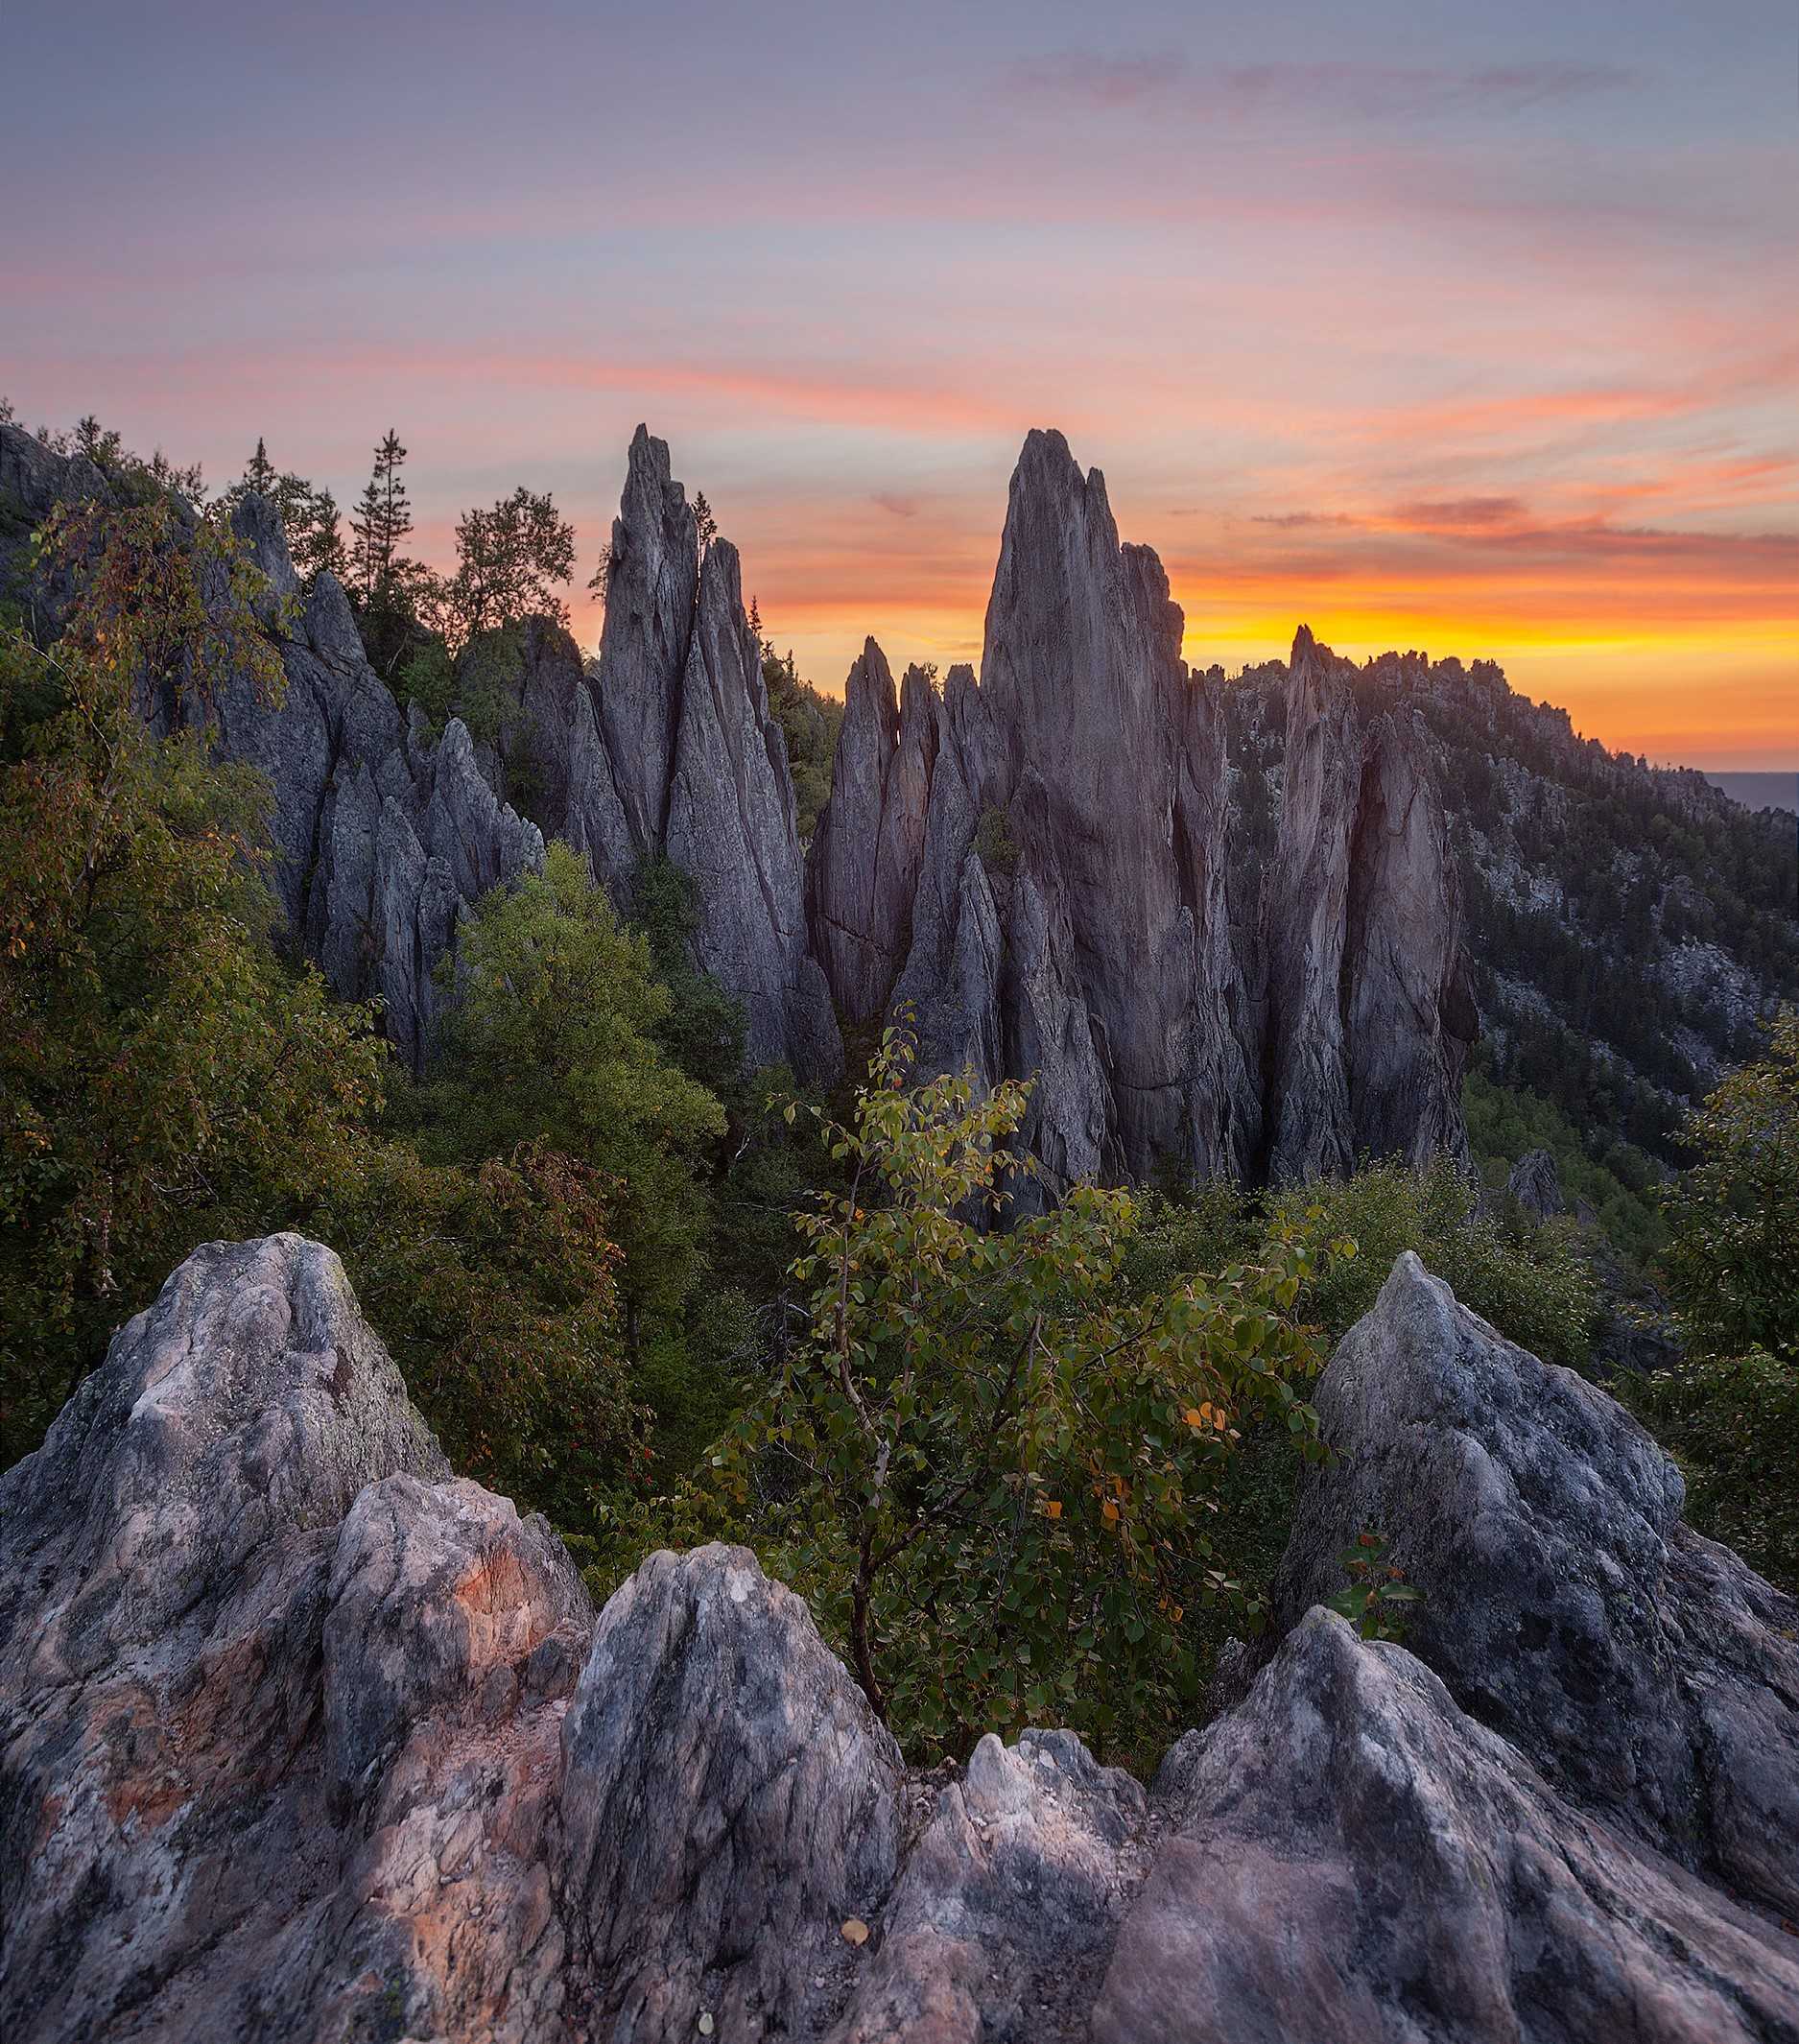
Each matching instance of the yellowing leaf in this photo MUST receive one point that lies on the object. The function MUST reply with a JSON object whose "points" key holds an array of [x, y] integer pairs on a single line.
{"points": [[855, 1931]]}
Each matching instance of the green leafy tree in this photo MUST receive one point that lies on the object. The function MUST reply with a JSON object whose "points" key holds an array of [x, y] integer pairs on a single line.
{"points": [[164, 1078], [553, 1037], [1733, 1262], [495, 1287], [996, 1470], [509, 560]]}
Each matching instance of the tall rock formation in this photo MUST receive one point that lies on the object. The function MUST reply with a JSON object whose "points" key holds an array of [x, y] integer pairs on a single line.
{"points": [[1369, 1019], [1410, 1021], [862, 872], [1069, 920], [382, 838], [302, 1739], [669, 749]]}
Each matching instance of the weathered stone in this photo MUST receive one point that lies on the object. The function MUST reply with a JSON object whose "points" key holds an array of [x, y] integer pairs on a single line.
{"points": [[381, 839], [1536, 1186], [1350, 1857], [1647, 1673], [651, 590], [864, 867], [727, 1800], [1090, 768], [731, 824], [1005, 1916], [1409, 1021], [1306, 919], [306, 1741], [549, 760]]}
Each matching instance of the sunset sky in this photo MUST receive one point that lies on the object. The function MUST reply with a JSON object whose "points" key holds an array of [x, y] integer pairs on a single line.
{"points": [[1471, 329]]}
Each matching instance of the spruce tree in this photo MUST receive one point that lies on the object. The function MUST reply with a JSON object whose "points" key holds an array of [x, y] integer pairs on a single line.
{"points": [[259, 472]]}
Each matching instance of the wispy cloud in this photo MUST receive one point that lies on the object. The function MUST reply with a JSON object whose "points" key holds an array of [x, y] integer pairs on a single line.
{"points": [[1105, 83]]}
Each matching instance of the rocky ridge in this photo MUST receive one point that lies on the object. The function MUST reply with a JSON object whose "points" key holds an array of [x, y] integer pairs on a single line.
{"points": [[383, 837], [301, 1738], [386, 835], [1036, 866], [667, 749]]}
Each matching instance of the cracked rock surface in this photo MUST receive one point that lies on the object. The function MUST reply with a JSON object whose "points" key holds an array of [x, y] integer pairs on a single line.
{"points": [[301, 1738]]}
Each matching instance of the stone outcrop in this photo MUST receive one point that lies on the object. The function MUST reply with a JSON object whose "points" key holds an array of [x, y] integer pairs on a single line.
{"points": [[1536, 1186], [862, 872], [1057, 905], [382, 838], [1036, 866], [1369, 1018], [667, 749], [1645, 1671], [1065, 920], [301, 1738]]}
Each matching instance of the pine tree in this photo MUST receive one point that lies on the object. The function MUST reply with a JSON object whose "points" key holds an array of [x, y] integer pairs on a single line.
{"points": [[704, 523], [383, 517], [259, 472]]}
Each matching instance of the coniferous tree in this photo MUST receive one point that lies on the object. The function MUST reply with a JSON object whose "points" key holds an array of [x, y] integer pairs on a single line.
{"points": [[382, 519], [259, 472]]}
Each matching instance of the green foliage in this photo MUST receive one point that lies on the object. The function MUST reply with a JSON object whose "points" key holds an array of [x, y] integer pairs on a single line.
{"points": [[508, 562], [1375, 1597], [479, 686], [1615, 1178], [554, 1037], [163, 1077], [1731, 1422], [1533, 1283], [995, 1469], [702, 1029], [495, 1287], [425, 674], [1733, 1262], [809, 724], [996, 842]]}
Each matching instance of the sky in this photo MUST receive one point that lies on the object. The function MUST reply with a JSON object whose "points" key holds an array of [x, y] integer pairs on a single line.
{"points": [[1466, 328]]}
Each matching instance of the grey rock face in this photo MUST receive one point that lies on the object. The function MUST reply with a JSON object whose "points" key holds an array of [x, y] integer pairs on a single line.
{"points": [[1095, 766], [671, 751], [1536, 1186], [862, 872], [1091, 767], [306, 1739], [1410, 1021], [1648, 1674], [1306, 919], [731, 824], [550, 761], [1369, 1019], [652, 591], [1350, 1857], [727, 1801], [382, 840]]}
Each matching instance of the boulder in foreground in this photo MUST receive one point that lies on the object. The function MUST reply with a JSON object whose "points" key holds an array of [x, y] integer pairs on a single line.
{"points": [[304, 1738]]}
